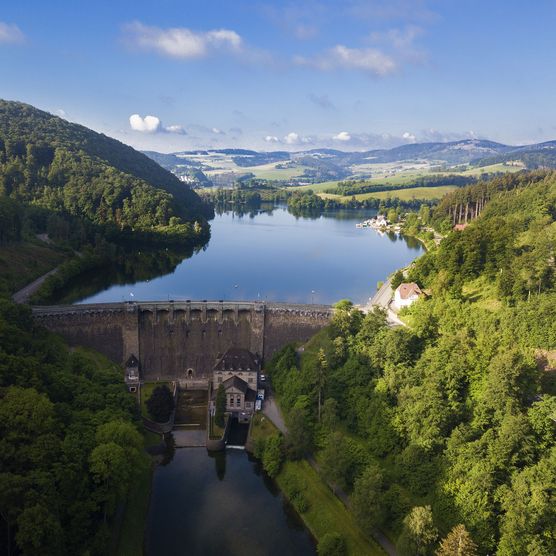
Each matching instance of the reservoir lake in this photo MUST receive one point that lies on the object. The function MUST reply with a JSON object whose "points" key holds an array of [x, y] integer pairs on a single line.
{"points": [[272, 255]]}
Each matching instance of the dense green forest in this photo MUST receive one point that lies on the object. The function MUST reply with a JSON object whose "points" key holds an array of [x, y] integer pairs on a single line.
{"points": [[354, 187], [69, 444], [94, 199], [450, 421], [64, 166], [303, 201]]}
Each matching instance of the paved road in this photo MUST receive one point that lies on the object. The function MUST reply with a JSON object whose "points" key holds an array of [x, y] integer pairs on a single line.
{"points": [[23, 295], [382, 298], [272, 411]]}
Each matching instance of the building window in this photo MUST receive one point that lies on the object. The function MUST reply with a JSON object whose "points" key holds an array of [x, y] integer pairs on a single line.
{"points": [[238, 401], [250, 380], [219, 379]]}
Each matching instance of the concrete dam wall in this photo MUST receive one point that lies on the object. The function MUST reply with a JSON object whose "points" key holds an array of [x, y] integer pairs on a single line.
{"points": [[181, 340]]}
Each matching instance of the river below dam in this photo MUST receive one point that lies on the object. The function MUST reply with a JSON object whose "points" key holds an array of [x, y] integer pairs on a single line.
{"points": [[220, 504], [270, 254]]}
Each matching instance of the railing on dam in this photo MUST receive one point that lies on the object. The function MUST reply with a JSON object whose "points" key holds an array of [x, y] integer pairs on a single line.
{"points": [[132, 306]]}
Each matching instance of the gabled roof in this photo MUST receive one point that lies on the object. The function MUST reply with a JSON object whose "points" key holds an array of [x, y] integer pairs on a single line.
{"points": [[132, 361], [237, 359], [236, 382], [408, 289]]}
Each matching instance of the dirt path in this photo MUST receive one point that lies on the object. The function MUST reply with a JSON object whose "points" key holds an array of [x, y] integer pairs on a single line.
{"points": [[23, 295]]}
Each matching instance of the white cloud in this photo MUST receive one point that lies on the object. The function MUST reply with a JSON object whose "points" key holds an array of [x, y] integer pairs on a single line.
{"points": [[402, 42], [409, 136], [152, 124], [61, 112], [294, 138], [297, 19], [399, 38], [218, 131], [342, 136], [148, 124], [370, 60], [10, 34], [178, 129], [271, 139], [180, 42]]}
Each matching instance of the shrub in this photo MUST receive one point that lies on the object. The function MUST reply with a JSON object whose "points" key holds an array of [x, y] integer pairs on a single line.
{"points": [[161, 404], [332, 544], [273, 455]]}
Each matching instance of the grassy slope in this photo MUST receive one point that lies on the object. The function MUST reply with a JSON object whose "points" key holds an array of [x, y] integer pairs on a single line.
{"points": [[426, 193], [406, 177], [326, 513], [262, 427], [21, 263]]}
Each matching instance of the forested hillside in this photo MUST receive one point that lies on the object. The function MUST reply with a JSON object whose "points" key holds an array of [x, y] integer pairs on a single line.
{"points": [[59, 165], [445, 430], [83, 192], [69, 445]]}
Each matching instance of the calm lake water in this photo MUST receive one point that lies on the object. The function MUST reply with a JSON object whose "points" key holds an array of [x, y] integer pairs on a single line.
{"points": [[275, 256], [220, 506]]}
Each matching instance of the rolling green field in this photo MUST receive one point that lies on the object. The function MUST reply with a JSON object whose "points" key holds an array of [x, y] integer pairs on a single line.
{"points": [[264, 171], [316, 187], [405, 177], [405, 194]]}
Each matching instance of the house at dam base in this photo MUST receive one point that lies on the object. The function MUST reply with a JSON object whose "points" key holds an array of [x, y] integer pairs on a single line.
{"points": [[238, 372]]}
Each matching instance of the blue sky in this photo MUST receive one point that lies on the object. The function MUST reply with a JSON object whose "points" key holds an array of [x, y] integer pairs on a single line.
{"points": [[350, 74]]}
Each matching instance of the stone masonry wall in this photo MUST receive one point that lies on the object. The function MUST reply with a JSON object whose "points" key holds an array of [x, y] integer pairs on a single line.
{"points": [[180, 340]]}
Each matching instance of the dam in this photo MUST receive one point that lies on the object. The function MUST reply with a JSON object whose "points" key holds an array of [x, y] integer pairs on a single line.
{"points": [[181, 340]]}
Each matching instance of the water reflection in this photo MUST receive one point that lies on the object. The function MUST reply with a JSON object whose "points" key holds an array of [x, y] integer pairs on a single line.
{"points": [[220, 506], [263, 254], [219, 463]]}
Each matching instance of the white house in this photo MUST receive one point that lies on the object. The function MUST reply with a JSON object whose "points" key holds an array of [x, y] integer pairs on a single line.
{"points": [[406, 294]]}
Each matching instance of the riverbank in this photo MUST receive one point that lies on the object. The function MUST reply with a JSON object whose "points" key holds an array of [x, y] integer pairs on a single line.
{"points": [[131, 529], [325, 513]]}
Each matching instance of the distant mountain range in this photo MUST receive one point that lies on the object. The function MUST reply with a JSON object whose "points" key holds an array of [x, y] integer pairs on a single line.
{"points": [[478, 152]]}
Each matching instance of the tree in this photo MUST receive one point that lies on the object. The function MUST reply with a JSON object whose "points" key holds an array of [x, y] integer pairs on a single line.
{"points": [[397, 279], [111, 472], [299, 439], [329, 414], [39, 531], [367, 499], [273, 455], [418, 533], [347, 318], [332, 544], [220, 409], [458, 542], [337, 460], [161, 404], [320, 378], [528, 524]]}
